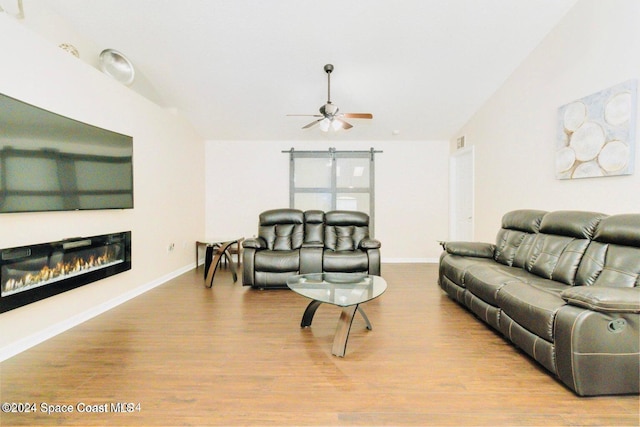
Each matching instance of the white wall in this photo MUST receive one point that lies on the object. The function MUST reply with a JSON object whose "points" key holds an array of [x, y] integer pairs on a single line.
{"points": [[168, 183], [245, 178], [594, 47]]}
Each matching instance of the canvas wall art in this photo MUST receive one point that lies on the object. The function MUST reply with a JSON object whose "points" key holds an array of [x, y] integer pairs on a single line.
{"points": [[596, 134]]}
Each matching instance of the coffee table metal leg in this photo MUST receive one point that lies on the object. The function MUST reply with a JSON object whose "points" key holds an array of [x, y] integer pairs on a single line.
{"points": [[342, 331], [364, 316], [310, 311]]}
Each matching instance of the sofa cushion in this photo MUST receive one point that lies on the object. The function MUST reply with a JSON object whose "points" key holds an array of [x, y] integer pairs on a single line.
{"points": [[345, 261], [277, 261], [513, 247], [347, 218], [314, 226], [609, 265], [533, 307], [281, 216], [342, 237], [455, 267], [282, 229], [282, 237], [344, 230], [578, 224], [515, 236], [485, 281], [619, 229], [527, 220], [556, 257], [612, 258], [559, 246]]}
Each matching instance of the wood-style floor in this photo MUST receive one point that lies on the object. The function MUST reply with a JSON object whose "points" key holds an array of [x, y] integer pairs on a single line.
{"points": [[230, 355]]}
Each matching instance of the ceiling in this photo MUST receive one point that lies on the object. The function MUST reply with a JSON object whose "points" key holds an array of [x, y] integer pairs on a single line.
{"points": [[236, 68]]}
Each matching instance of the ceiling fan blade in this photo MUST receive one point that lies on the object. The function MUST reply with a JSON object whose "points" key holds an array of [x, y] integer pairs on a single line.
{"points": [[304, 115], [344, 124], [313, 123], [357, 115]]}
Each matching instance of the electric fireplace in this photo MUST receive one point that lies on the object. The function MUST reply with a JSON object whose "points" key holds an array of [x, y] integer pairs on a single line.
{"points": [[31, 273]]}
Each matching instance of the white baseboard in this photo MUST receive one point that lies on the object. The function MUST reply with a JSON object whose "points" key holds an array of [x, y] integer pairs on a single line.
{"points": [[410, 260], [53, 330]]}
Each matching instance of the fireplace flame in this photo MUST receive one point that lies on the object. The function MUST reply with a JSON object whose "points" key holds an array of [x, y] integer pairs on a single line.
{"points": [[60, 271]]}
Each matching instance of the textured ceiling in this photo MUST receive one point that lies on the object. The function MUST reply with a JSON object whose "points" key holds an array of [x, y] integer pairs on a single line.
{"points": [[235, 68]]}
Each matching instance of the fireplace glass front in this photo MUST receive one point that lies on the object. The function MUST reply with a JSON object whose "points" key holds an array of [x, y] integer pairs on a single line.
{"points": [[32, 273]]}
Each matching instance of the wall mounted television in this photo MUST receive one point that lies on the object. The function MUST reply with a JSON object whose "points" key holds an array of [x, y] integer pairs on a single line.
{"points": [[49, 162]]}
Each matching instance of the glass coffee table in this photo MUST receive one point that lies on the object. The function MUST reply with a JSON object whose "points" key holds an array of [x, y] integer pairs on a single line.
{"points": [[346, 290]]}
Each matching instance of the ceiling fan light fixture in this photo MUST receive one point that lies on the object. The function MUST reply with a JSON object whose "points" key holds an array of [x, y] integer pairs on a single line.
{"points": [[331, 124], [330, 118], [325, 125]]}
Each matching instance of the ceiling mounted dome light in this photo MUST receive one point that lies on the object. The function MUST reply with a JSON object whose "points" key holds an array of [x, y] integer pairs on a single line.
{"points": [[116, 65]]}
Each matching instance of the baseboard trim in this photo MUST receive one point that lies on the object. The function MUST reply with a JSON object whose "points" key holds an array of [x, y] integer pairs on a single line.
{"points": [[410, 260], [32, 340]]}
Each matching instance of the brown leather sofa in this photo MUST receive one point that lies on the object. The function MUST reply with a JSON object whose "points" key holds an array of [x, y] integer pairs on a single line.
{"points": [[291, 242], [562, 286]]}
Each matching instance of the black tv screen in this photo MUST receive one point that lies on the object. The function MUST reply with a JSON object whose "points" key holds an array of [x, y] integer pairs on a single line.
{"points": [[49, 162]]}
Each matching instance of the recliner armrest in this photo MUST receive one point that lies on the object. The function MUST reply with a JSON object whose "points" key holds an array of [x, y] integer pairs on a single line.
{"points": [[370, 244], [472, 249], [604, 299], [254, 243]]}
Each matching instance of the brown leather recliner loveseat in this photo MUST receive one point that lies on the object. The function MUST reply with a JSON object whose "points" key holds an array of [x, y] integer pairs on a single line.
{"points": [[291, 242], [562, 286]]}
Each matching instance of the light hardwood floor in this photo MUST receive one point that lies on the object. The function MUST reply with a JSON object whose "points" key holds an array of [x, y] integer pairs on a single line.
{"points": [[231, 355]]}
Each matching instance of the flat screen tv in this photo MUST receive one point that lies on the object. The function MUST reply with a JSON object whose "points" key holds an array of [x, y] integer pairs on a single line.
{"points": [[49, 162]]}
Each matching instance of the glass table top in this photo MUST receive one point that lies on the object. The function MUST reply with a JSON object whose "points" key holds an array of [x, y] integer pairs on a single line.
{"points": [[341, 289]]}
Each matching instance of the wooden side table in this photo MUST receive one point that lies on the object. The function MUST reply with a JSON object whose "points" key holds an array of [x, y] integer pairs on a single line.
{"points": [[215, 250]]}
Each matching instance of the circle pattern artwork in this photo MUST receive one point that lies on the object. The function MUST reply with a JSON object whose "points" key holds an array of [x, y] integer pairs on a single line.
{"points": [[614, 156], [595, 134], [587, 141], [618, 109], [574, 116], [565, 158]]}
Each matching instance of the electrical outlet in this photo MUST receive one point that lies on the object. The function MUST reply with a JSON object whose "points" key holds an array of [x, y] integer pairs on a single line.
{"points": [[171, 247]]}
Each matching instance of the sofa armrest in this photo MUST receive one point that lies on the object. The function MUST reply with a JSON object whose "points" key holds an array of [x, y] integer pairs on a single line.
{"points": [[472, 249], [604, 299], [370, 244], [311, 257], [255, 243]]}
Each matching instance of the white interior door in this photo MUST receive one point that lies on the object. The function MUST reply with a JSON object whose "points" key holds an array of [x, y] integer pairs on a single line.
{"points": [[461, 191]]}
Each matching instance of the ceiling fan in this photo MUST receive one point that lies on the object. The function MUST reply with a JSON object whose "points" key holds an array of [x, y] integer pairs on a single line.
{"points": [[330, 117]]}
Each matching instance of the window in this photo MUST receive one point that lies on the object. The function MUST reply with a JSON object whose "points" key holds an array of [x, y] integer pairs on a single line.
{"points": [[330, 180]]}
